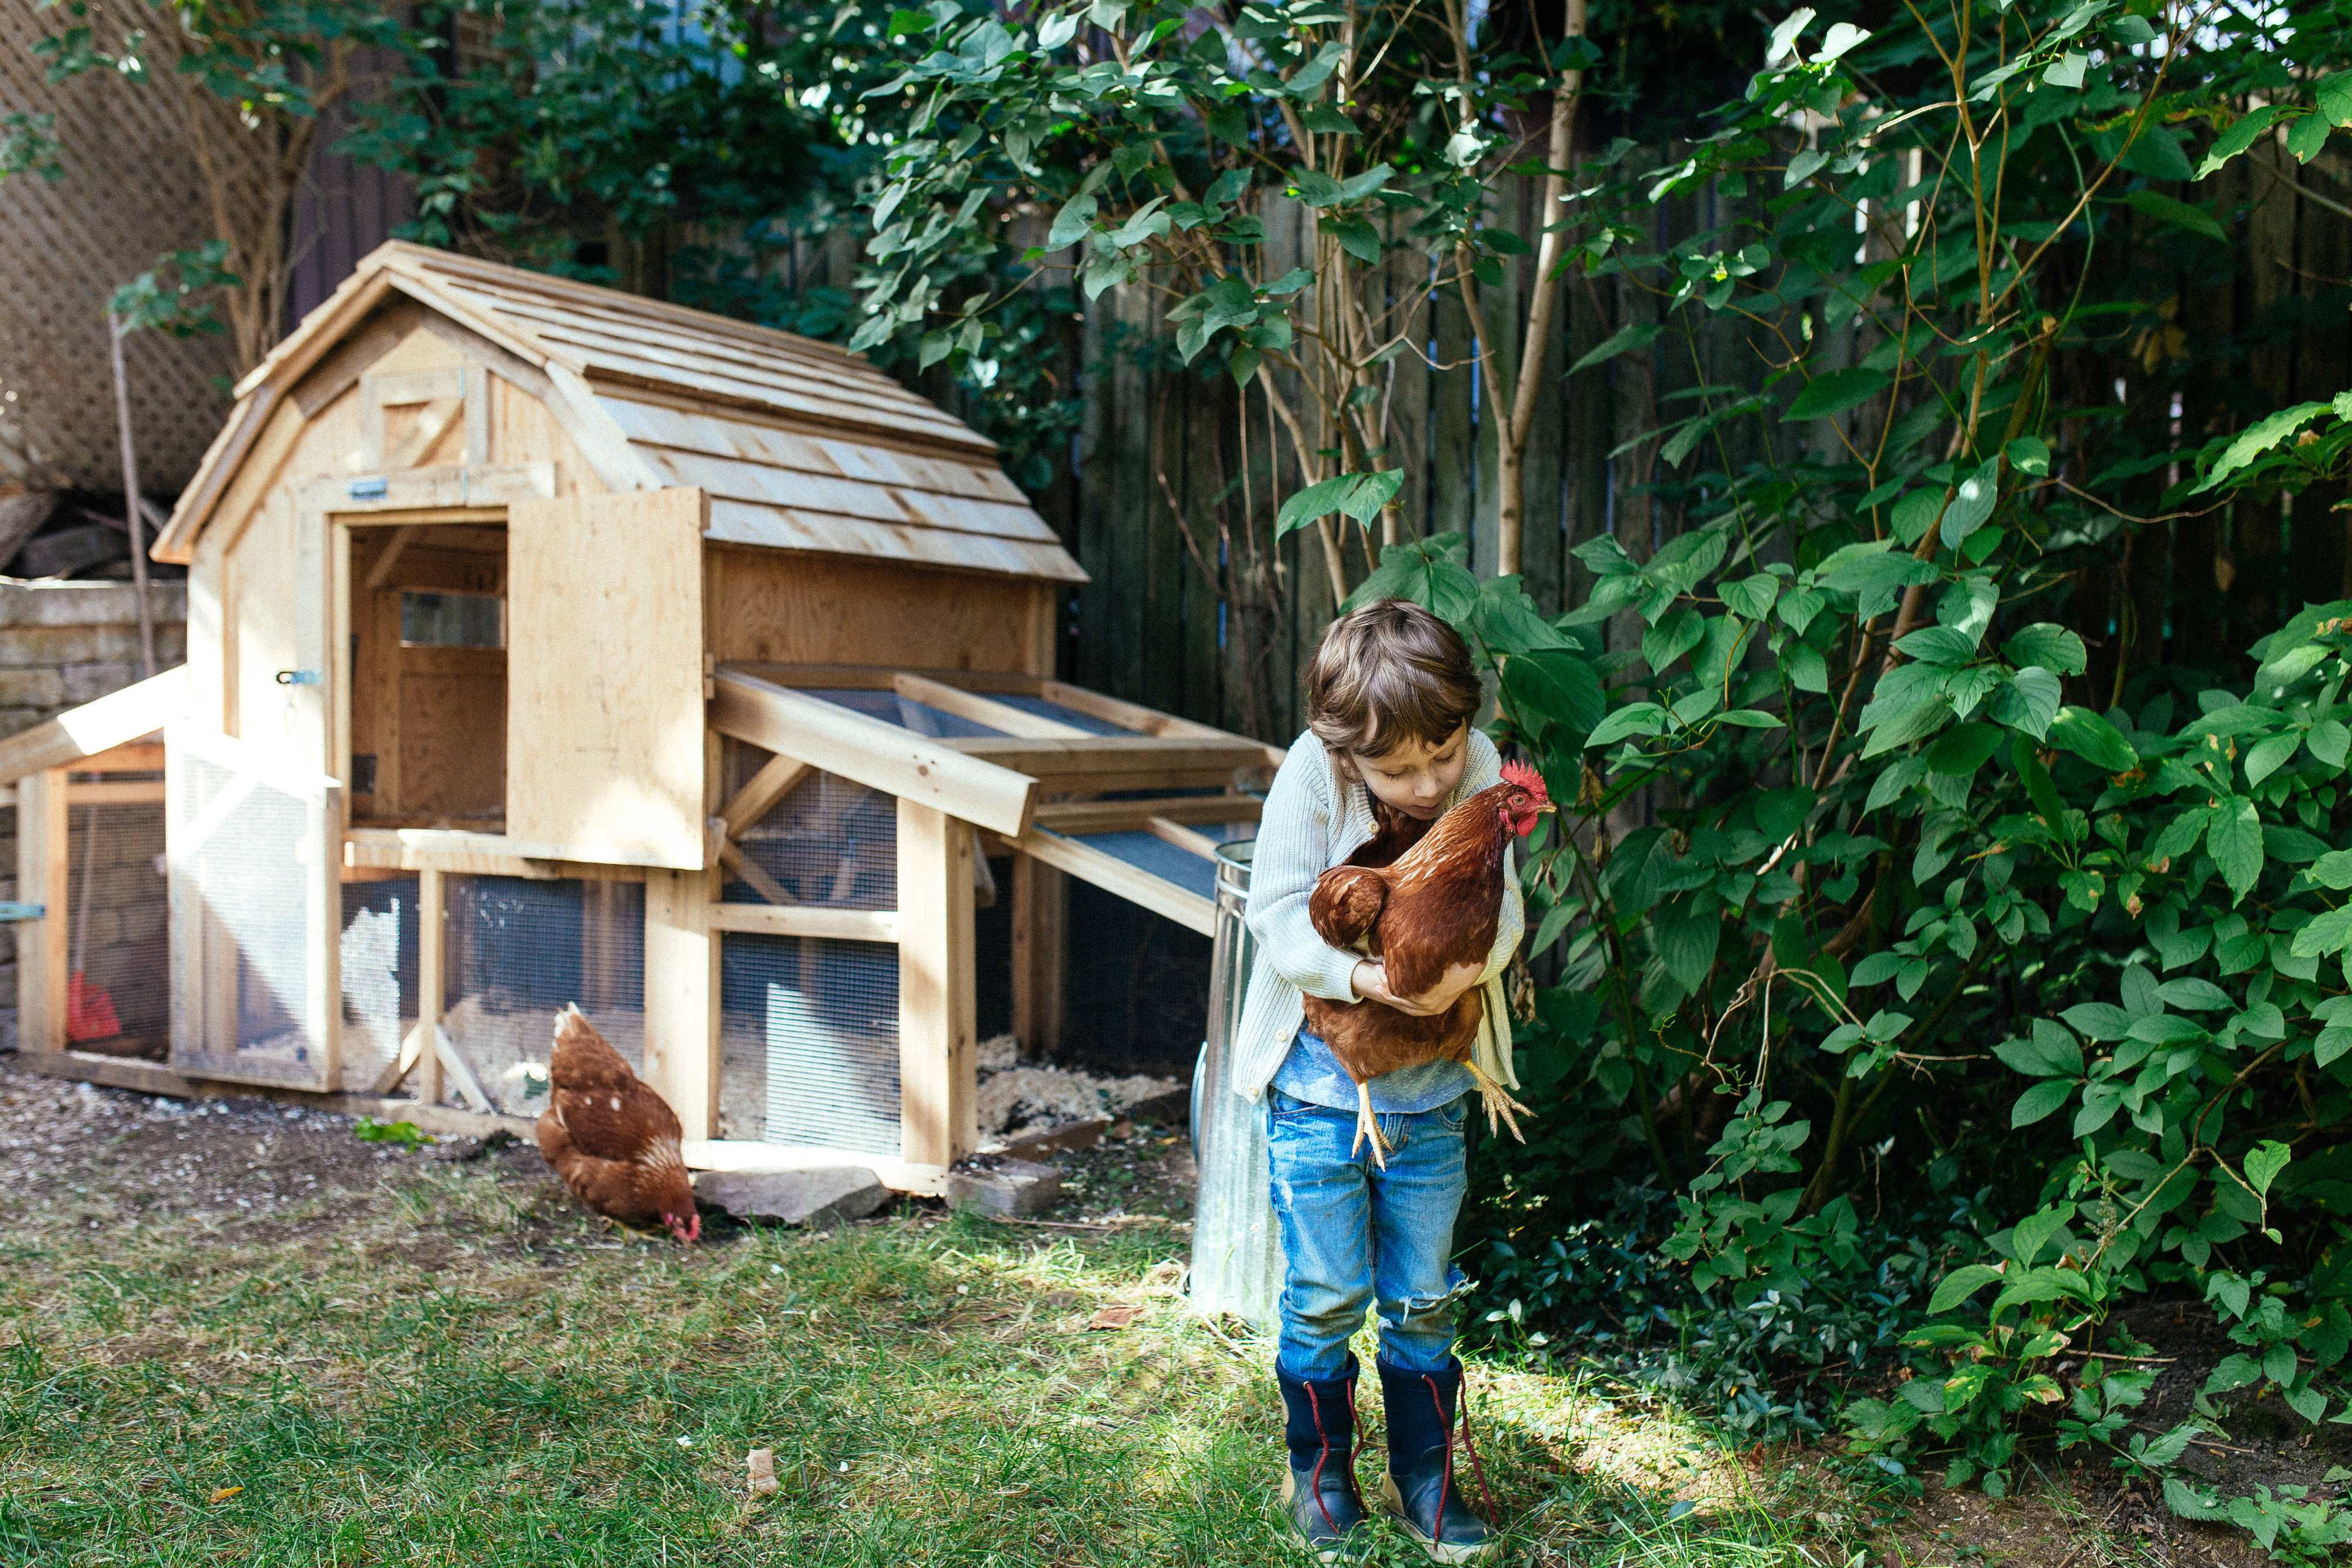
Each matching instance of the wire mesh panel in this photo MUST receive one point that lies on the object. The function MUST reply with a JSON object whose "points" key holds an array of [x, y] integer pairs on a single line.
{"points": [[820, 1019], [251, 938], [830, 841], [119, 988], [518, 951], [378, 976]]}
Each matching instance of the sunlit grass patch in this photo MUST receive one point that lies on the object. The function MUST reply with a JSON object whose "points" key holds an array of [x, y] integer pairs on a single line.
{"points": [[465, 1370]]}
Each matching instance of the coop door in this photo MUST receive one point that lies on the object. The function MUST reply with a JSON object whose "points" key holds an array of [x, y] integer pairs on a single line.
{"points": [[604, 720], [254, 900]]}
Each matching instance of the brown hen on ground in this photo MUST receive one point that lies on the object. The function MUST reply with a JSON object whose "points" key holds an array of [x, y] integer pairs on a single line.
{"points": [[614, 1141]]}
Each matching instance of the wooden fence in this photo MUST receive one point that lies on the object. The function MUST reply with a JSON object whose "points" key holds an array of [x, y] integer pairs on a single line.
{"points": [[1162, 451]]}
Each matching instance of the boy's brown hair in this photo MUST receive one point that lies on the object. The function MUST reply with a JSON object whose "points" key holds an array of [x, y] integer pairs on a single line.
{"points": [[1386, 673]]}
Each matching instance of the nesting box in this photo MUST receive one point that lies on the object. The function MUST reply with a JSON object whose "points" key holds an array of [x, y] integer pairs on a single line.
{"points": [[547, 645]]}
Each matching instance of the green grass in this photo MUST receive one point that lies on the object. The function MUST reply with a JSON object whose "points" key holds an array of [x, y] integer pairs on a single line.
{"points": [[463, 1371]]}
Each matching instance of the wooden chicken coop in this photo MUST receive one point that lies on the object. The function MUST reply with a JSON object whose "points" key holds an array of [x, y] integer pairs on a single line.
{"points": [[547, 643]]}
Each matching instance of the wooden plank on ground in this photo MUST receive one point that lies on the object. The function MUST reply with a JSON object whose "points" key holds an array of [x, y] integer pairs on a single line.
{"points": [[148, 1078]]}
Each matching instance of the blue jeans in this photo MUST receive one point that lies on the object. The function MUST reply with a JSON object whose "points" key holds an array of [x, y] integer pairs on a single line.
{"points": [[1353, 1233]]}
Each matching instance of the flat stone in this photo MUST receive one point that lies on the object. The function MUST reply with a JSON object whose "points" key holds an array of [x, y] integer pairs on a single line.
{"points": [[822, 1195], [1000, 1185]]}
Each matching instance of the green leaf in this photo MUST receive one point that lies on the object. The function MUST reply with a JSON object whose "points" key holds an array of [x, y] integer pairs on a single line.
{"points": [[2308, 137], [2269, 755], [1556, 688], [2027, 701], [1634, 719], [1960, 1284], [1071, 224], [2039, 1102], [1937, 645], [2092, 738], [2238, 137], [2258, 439], [1973, 503], [2037, 1230], [1689, 932], [2194, 995], [2263, 1164], [2100, 1020], [2052, 646], [1358, 495], [1834, 391], [2329, 739], [2178, 213], [1962, 749], [1638, 336], [2235, 842], [2335, 92], [2332, 869]]}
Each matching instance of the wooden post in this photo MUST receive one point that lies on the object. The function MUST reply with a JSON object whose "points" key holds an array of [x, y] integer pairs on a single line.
{"points": [[938, 1117], [1040, 908], [43, 864], [682, 996], [432, 981]]}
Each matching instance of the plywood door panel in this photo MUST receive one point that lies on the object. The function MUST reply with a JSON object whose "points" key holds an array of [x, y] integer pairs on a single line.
{"points": [[453, 727], [605, 733], [793, 609], [276, 581]]}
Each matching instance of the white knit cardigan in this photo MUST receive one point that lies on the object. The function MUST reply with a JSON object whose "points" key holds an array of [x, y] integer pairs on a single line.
{"points": [[1314, 821]]}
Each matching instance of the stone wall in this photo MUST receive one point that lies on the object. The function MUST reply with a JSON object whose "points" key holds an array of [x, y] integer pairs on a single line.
{"points": [[62, 644]]}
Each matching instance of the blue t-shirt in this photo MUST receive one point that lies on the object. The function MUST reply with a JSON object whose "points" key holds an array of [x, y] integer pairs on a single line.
{"points": [[1310, 1072]]}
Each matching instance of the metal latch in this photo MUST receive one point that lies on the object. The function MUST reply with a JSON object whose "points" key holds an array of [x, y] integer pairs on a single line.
{"points": [[24, 912], [300, 678], [369, 489]]}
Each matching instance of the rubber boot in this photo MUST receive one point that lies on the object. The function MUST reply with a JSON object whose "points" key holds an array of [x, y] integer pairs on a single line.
{"points": [[1318, 1489], [1421, 1488]]}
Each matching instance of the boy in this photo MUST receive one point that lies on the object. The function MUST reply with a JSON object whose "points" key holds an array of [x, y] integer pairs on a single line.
{"points": [[1390, 698]]}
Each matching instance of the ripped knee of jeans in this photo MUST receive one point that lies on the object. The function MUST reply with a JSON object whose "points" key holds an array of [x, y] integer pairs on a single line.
{"points": [[1458, 1285]]}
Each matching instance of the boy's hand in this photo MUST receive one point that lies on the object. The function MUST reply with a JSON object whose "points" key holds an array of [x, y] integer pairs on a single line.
{"points": [[1371, 982]]}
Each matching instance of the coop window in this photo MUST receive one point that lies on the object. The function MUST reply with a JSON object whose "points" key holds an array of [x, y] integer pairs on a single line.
{"points": [[452, 621]]}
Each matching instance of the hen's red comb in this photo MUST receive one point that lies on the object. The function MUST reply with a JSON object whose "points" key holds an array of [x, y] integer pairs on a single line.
{"points": [[1527, 779]]}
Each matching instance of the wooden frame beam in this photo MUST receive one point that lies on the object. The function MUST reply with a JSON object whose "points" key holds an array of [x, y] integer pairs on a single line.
{"points": [[979, 709], [1116, 816], [131, 714], [151, 1078], [682, 996], [898, 762], [43, 877], [806, 920], [776, 779], [1112, 874], [1040, 943], [938, 1118]]}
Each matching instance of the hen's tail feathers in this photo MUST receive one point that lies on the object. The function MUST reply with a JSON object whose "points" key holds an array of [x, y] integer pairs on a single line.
{"points": [[581, 1059], [1346, 903], [1498, 1103], [1368, 1125]]}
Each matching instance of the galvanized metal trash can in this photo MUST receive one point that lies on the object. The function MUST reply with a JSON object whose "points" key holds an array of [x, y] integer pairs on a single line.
{"points": [[1236, 1246]]}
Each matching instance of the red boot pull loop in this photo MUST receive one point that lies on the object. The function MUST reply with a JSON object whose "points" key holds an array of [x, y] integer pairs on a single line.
{"points": [[1322, 1453]]}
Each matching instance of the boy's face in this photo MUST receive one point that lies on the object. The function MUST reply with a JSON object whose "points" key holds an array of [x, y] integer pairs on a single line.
{"points": [[1414, 777]]}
